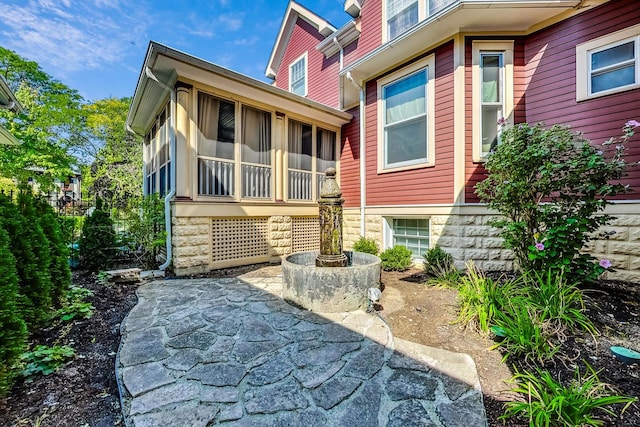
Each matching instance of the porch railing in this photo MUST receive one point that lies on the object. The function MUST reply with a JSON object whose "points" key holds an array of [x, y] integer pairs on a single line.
{"points": [[300, 185], [256, 181], [215, 177]]}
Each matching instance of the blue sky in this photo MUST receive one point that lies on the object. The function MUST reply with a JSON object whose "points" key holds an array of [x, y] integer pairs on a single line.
{"points": [[98, 46]]}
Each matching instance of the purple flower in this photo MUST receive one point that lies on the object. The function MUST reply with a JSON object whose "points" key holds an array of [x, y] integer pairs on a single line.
{"points": [[605, 263], [540, 246], [632, 123], [502, 121]]}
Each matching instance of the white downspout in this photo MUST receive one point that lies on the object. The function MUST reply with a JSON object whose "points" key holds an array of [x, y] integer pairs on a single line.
{"points": [[172, 157], [337, 43], [363, 199]]}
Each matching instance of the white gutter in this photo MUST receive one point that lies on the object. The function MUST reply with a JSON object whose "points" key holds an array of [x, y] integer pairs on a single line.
{"points": [[337, 43], [363, 199], [172, 157]]}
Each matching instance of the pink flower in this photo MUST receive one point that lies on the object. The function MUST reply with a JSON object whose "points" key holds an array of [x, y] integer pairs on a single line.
{"points": [[605, 263], [632, 123], [540, 246]]}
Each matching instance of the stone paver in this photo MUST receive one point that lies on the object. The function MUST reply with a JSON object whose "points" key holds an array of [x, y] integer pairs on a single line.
{"points": [[230, 351]]}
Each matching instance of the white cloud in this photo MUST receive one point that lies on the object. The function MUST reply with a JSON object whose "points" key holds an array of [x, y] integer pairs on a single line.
{"points": [[70, 35], [231, 22], [246, 41]]}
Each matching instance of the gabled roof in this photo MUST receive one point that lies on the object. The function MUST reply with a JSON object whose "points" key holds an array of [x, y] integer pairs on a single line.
{"points": [[167, 65], [8, 101], [294, 11]]}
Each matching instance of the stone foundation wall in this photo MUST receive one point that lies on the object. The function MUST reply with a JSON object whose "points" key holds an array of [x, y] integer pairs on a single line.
{"points": [[470, 237], [191, 244], [280, 235]]}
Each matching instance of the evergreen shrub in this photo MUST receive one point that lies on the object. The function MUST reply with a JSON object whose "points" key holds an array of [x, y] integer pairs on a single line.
{"points": [[98, 240], [367, 246]]}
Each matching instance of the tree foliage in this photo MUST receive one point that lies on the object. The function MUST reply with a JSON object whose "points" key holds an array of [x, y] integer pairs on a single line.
{"points": [[550, 185], [115, 172], [53, 117]]}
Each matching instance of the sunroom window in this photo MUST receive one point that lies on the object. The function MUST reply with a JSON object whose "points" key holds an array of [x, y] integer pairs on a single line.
{"points": [[256, 153], [405, 120], [216, 139], [300, 164], [157, 160], [326, 154]]}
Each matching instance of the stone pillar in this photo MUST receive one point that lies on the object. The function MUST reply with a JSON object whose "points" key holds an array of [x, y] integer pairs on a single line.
{"points": [[330, 207]]}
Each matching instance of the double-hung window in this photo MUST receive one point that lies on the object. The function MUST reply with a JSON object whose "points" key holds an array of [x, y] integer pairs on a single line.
{"points": [[298, 76], [608, 64], [492, 94], [401, 15], [406, 115]]}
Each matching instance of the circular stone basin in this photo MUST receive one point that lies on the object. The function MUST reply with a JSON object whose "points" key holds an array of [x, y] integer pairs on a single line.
{"points": [[329, 289]]}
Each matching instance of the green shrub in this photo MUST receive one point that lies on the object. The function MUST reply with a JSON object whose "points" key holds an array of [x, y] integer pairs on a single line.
{"points": [[74, 304], [437, 260], [547, 402], [397, 258], [59, 266], [571, 176], [70, 227], [98, 241], [13, 331], [368, 246], [45, 360]]}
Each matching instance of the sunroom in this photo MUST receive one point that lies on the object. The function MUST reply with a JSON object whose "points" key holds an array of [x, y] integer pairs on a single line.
{"points": [[240, 162]]}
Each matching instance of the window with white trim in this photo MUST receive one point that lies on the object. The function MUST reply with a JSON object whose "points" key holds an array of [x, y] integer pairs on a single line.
{"points": [[492, 94], [412, 233], [157, 160], [406, 116], [403, 14], [608, 64], [298, 76]]}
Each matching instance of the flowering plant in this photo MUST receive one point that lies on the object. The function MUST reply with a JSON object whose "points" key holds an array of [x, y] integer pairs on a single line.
{"points": [[554, 183]]}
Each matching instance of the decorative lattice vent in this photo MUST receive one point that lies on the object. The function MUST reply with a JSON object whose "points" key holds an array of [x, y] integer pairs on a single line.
{"points": [[305, 234], [235, 238]]}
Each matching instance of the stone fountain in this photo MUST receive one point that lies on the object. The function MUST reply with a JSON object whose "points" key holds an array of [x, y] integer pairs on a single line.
{"points": [[330, 280]]}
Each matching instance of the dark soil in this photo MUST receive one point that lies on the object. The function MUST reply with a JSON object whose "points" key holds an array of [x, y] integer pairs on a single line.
{"points": [[85, 393]]}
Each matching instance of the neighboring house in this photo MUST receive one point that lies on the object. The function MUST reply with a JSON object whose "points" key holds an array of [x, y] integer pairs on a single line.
{"points": [[8, 101], [426, 82]]}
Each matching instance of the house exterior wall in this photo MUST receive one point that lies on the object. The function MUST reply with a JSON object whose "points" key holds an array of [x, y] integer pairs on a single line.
{"points": [[370, 32], [322, 73], [350, 160], [422, 185]]}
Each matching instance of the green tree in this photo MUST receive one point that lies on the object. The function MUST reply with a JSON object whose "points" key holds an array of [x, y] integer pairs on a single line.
{"points": [[13, 331], [115, 172], [48, 128]]}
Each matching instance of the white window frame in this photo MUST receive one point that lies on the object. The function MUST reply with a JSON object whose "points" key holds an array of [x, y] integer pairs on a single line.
{"points": [[389, 235], [302, 57], [504, 47], [423, 13], [427, 63], [584, 51]]}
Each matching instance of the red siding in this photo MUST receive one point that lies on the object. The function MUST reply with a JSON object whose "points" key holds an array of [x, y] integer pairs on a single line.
{"points": [[322, 72], [370, 32], [350, 160], [423, 185], [550, 57]]}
